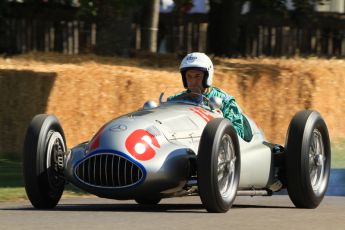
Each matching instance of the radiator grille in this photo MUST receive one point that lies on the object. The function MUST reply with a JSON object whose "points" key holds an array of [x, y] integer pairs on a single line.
{"points": [[108, 170]]}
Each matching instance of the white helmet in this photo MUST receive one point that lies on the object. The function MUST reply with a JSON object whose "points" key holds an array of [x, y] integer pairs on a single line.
{"points": [[198, 61]]}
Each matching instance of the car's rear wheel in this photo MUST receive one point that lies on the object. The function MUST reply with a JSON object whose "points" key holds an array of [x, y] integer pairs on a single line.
{"points": [[218, 165], [44, 147], [308, 159]]}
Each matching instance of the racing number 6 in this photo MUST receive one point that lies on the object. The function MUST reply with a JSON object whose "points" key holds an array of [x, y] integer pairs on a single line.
{"points": [[140, 144]]}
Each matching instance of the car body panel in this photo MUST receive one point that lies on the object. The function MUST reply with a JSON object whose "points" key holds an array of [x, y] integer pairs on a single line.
{"points": [[162, 142]]}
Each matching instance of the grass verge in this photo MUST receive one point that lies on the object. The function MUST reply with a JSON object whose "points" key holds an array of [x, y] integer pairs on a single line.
{"points": [[12, 193], [18, 193], [12, 184], [338, 154]]}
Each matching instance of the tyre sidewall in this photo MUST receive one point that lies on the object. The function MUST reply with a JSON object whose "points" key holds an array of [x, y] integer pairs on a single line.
{"points": [[315, 121], [299, 138], [208, 169], [224, 202], [37, 184]]}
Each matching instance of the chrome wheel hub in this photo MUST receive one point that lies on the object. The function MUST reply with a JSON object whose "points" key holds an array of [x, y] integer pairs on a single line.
{"points": [[316, 160], [54, 162], [226, 165]]}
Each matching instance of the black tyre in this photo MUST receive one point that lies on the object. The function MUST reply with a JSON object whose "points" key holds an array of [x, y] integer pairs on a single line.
{"points": [[43, 151], [148, 200], [218, 165], [308, 159]]}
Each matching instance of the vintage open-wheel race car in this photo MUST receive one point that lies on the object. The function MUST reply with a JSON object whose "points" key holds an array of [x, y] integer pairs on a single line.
{"points": [[179, 147]]}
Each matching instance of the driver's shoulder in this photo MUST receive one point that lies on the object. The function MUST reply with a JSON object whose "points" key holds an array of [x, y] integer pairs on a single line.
{"points": [[214, 91]]}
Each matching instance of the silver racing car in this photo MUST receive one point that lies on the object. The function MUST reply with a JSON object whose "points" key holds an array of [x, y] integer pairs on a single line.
{"points": [[179, 147]]}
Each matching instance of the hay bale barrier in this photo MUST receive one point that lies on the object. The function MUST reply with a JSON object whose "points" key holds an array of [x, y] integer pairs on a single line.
{"points": [[84, 92]]}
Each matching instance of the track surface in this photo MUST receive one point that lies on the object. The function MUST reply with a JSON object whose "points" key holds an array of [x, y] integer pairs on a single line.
{"points": [[276, 212]]}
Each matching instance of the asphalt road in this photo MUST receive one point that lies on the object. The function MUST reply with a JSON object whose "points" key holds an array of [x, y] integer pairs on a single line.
{"points": [[276, 212]]}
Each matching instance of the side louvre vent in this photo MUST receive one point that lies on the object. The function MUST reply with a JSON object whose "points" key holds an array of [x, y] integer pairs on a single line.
{"points": [[108, 170]]}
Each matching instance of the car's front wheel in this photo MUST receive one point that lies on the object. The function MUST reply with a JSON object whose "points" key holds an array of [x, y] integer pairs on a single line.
{"points": [[218, 165], [42, 161]]}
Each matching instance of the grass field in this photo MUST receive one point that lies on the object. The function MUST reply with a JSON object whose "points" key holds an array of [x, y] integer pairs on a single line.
{"points": [[10, 173], [11, 179], [12, 184], [338, 154]]}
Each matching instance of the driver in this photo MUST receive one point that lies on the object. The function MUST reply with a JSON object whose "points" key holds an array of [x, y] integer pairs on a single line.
{"points": [[197, 75]]}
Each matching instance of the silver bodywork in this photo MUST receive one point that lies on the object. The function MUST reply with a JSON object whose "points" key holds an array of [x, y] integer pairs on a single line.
{"points": [[158, 146]]}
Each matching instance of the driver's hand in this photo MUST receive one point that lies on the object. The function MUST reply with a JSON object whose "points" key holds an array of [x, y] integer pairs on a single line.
{"points": [[219, 111]]}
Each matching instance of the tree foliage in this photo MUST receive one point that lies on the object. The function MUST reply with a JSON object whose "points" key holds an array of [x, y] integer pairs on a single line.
{"points": [[225, 15], [183, 6], [89, 9], [223, 33], [3, 4], [268, 6], [49, 2], [114, 18], [304, 10]]}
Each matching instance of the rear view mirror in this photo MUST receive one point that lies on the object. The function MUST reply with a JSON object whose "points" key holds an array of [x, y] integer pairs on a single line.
{"points": [[216, 103], [150, 105]]}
